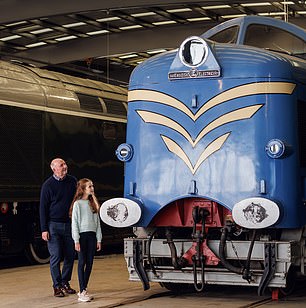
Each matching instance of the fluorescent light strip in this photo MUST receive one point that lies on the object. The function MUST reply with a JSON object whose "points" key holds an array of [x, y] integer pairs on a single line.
{"points": [[255, 4], [166, 22], [9, 38], [16, 23], [75, 24], [152, 52], [65, 38], [130, 27], [233, 16], [36, 44], [198, 19], [143, 14], [211, 7], [107, 19], [132, 55], [97, 32], [179, 10], [273, 14], [39, 31]]}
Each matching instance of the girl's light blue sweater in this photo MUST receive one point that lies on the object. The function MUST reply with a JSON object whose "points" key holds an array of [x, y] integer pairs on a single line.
{"points": [[84, 220]]}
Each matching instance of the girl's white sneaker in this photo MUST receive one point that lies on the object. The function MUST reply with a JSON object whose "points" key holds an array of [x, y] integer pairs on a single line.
{"points": [[83, 297], [89, 295]]}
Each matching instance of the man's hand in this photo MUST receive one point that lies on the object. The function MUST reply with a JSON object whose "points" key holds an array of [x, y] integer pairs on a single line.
{"points": [[45, 236]]}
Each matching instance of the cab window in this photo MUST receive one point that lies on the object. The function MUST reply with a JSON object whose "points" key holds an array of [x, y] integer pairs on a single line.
{"points": [[228, 35], [275, 39]]}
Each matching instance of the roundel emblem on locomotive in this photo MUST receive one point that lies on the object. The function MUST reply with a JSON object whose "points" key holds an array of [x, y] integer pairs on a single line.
{"points": [[255, 213], [120, 212], [193, 51]]}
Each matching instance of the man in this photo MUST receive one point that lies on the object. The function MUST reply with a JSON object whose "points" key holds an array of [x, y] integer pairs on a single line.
{"points": [[56, 196]]}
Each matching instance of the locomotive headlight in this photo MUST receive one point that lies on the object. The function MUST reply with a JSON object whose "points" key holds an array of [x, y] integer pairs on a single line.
{"points": [[275, 148], [120, 212], [256, 213], [124, 152]]}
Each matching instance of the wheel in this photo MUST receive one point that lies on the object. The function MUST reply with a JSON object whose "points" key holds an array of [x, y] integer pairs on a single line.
{"points": [[37, 252], [290, 281]]}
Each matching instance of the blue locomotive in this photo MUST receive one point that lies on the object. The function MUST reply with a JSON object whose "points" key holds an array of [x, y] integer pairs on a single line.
{"points": [[215, 160]]}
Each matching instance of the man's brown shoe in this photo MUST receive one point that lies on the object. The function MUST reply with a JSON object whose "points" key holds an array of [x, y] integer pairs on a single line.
{"points": [[58, 292], [67, 289]]}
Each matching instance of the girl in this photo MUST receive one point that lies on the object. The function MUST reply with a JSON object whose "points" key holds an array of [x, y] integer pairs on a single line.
{"points": [[86, 232]]}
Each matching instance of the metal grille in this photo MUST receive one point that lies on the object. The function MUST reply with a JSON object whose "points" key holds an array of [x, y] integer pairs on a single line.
{"points": [[89, 102], [115, 107]]}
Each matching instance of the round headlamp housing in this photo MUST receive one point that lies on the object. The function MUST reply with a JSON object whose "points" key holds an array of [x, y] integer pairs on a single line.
{"points": [[275, 148], [124, 152]]}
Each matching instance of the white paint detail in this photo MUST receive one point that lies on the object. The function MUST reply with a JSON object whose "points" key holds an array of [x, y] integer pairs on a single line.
{"points": [[15, 204], [120, 212], [255, 213]]}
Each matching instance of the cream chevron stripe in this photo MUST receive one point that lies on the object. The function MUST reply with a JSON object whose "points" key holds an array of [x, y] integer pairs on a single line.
{"points": [[155, 118], [239, 114], [214, 146], [236, 92], [246, 90], [173, 147], [158, 97]]}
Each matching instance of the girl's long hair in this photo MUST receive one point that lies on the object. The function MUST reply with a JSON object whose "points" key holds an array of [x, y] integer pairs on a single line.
{"points": [[93, 202]]}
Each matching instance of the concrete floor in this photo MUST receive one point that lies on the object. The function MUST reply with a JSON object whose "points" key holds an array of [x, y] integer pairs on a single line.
{"points": [[31, 286]]}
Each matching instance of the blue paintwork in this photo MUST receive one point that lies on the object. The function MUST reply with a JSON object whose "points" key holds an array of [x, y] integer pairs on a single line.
{"points": [[234, 172]]}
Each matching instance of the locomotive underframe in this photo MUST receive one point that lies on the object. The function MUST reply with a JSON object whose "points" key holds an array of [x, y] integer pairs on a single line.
{"points": [[288, 254]]}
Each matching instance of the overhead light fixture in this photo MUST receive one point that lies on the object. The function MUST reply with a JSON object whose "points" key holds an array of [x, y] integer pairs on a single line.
{"points": [[179, 10], [152, 52], [36, 44], [198, 19], [107, 19], [272, 14], [97, 32], [233, 16], [132, 55], [166, 22], [212, 7], [18, 23], [144, 14], [40, 31], [255, 4], [65, 38], [130, 27], [9, 38], [75, 24]]}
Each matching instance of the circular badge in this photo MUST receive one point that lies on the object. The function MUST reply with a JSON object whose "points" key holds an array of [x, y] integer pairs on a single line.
{"points": [[193, 51]]}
